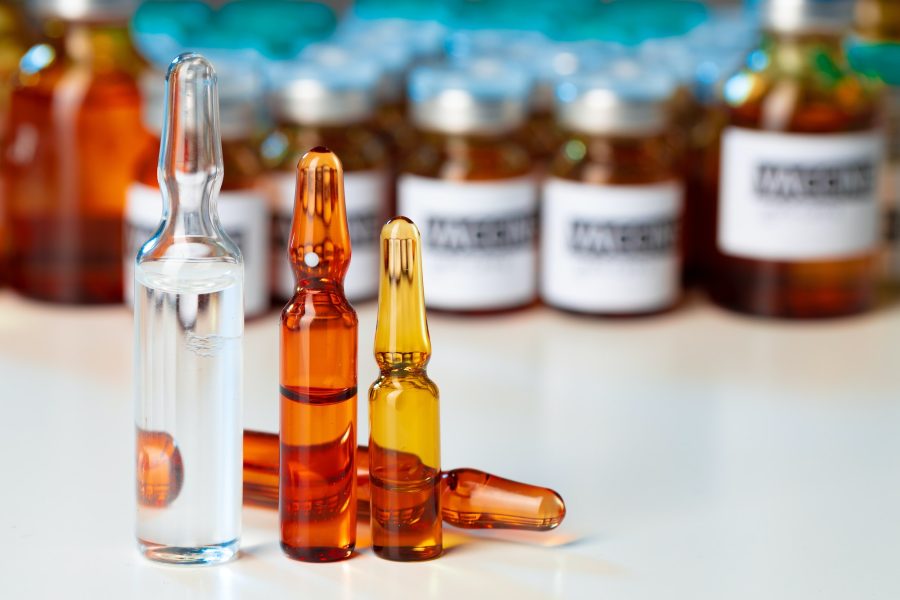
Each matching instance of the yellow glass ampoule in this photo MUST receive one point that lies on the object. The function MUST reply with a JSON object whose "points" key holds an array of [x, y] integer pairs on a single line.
{"points": [[404, 419]]}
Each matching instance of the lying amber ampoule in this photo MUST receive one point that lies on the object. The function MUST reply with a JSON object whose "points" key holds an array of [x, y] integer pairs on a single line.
{"points": [[404, 421], [318, 373], [470, 498]]}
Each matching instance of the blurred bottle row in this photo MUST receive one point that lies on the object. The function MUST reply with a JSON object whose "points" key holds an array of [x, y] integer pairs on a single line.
{"points": [[598, 156]]}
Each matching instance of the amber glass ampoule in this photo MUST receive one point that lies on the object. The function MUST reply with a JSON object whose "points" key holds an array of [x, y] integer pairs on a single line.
{"points": [[72, 141], [404, 419], [470, 498], [471, 187], [797, 207], [317, 477], [329, 100], [613, 200]]}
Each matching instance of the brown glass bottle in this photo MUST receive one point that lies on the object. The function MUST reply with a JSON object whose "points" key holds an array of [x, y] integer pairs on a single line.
{"points": [[73, 139], [470, 185], [312, 109], [804, 130], [613, 200], [14, 40]]}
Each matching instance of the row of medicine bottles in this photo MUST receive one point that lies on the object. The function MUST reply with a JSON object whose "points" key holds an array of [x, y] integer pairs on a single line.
{"points": [[620, 140]]}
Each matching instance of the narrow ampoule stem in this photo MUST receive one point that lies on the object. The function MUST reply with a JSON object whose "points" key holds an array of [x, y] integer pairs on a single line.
{"points": [[190, 167], [404, 439], [470, 499], [317, 470]]}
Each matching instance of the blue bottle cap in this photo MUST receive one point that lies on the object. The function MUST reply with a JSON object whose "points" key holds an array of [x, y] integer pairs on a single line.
{"points": [[482, 96], [626, 98], [330, 86]]}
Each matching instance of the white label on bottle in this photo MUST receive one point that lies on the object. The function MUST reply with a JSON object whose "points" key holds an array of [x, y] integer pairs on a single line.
{"points": [[610, 248], [244, 216], [365, 195], [786, 196], [478, 240]]}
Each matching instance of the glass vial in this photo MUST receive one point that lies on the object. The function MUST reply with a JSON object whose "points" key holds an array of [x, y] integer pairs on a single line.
{"points": [[319, 331], [243, 205], [471, 187], [404, 414], [73, 140], [612, 204], [189, 324], [797, 224], [330, 101]]}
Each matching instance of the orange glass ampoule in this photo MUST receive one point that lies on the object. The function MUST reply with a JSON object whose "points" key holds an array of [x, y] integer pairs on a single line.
{"points": [[317, 474], [404, 419], [470, 499]]}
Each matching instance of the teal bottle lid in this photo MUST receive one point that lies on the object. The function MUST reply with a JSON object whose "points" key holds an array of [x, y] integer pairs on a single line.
{"points": [[628, 22], [876, 59], [277, 29]]}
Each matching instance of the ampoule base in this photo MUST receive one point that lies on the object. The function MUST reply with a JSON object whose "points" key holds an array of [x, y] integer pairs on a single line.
{"points": [[408, 553], [190, 555], [318, 554]]}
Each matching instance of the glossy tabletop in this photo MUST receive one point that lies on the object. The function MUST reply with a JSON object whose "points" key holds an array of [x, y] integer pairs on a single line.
{"points": [[701, 454]]}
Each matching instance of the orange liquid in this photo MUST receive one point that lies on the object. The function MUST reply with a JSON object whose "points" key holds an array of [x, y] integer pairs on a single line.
{"points": [[317, 521], [406, 508]]}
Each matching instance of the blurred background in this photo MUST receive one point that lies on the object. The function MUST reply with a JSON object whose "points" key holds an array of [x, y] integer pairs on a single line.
{"points": [[561, 151]]}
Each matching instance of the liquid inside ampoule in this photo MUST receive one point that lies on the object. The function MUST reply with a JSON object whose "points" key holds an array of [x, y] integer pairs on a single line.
{"points": [[193, 308]]}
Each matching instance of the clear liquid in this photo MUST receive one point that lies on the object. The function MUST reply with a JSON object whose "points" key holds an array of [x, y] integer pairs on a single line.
{"points": [[188, 329]]}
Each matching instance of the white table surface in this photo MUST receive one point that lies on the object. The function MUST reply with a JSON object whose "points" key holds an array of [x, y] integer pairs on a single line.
{"points": [[701, 455]]}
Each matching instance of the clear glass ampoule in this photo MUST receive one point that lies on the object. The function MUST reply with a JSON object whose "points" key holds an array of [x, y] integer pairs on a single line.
{"points": [[189, 323], [404, 417]]}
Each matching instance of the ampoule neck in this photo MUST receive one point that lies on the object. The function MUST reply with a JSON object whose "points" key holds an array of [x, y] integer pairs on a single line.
{"points": [[402, 364]]}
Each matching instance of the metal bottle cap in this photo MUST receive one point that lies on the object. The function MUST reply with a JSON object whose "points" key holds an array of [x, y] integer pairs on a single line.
{"points": [[334, 87], [85, 10], [485, 96], [627, 100], [790, 16]]}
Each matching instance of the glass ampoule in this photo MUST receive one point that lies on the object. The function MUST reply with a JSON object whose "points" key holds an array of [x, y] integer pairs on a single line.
{"points": [[243, 205], [329, 99], [189, 325], [613, 202], [797, 223], [317, 490], [404, 417], [73, 139], [470, 498], [471, 186]]}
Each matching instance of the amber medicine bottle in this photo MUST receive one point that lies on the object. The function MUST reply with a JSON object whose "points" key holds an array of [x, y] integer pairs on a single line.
{"points": [[800, 156], [471, 188], [72, 143], [612, 203], [330, 102], [243, 207]]}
